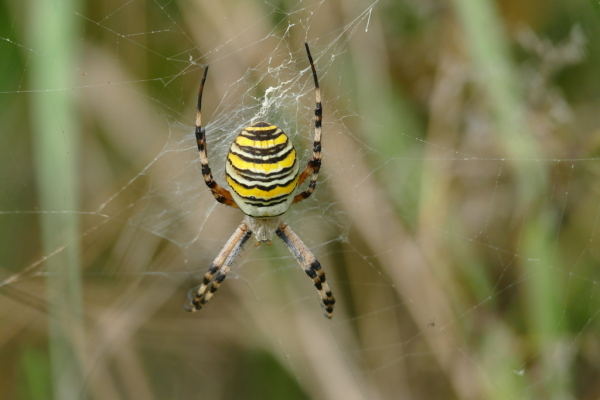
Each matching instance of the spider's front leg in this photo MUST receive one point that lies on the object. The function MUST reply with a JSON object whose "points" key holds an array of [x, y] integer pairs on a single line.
{"points": [[221, 194], [218, 269], [309, 263], [314, 165]]}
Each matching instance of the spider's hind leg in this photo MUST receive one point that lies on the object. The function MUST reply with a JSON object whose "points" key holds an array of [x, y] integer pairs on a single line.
{"points": [[218, 269], [311, 265]]}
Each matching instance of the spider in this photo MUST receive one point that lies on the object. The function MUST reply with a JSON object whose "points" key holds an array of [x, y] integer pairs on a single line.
{"points": [[262, 172]]}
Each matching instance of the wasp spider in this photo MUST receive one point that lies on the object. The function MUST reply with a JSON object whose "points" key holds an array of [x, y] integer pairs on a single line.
{"points": [[262, 172]]}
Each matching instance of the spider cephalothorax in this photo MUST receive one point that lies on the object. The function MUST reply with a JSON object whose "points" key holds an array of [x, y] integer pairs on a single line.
{"points": [[262, 171]]}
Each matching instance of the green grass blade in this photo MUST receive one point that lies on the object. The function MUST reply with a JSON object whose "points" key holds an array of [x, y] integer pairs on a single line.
{"points": [[489, 51], [53, 29]]}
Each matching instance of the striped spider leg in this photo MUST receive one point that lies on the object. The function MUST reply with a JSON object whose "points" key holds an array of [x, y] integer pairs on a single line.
{"points": [[218, 269], [263, 174], [314, 165], [309, 263], [221, 194]]}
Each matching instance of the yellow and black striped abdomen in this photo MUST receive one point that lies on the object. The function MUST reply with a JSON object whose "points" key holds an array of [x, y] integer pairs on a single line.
{"points": [[262, 170]]}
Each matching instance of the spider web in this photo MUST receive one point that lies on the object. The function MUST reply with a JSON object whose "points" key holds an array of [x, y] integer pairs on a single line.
{"points": [[462, 260]]}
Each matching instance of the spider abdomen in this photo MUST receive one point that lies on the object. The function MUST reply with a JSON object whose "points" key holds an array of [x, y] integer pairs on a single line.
{"points": [[262, 170]]}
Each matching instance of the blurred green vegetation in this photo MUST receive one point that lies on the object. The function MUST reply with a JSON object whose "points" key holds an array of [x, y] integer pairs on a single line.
{"points": [[457, 215]]}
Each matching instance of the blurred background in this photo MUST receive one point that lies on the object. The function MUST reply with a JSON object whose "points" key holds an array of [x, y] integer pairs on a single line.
{"points": [[456, 215]]}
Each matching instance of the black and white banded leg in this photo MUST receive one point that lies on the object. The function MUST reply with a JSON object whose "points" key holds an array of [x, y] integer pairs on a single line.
{"points": [[311, 265], [314, 165], [218, 269], [221, 194]]}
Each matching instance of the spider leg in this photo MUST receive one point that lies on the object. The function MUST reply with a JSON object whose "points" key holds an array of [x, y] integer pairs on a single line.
{"points": [[218, 269], [311, 265], [221, 194], [312, 169]]}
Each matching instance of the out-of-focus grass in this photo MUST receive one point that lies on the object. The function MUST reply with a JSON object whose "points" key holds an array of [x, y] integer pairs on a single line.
{"points": [[54, 28], [36, 379], [494, 70], [469, 256]]}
